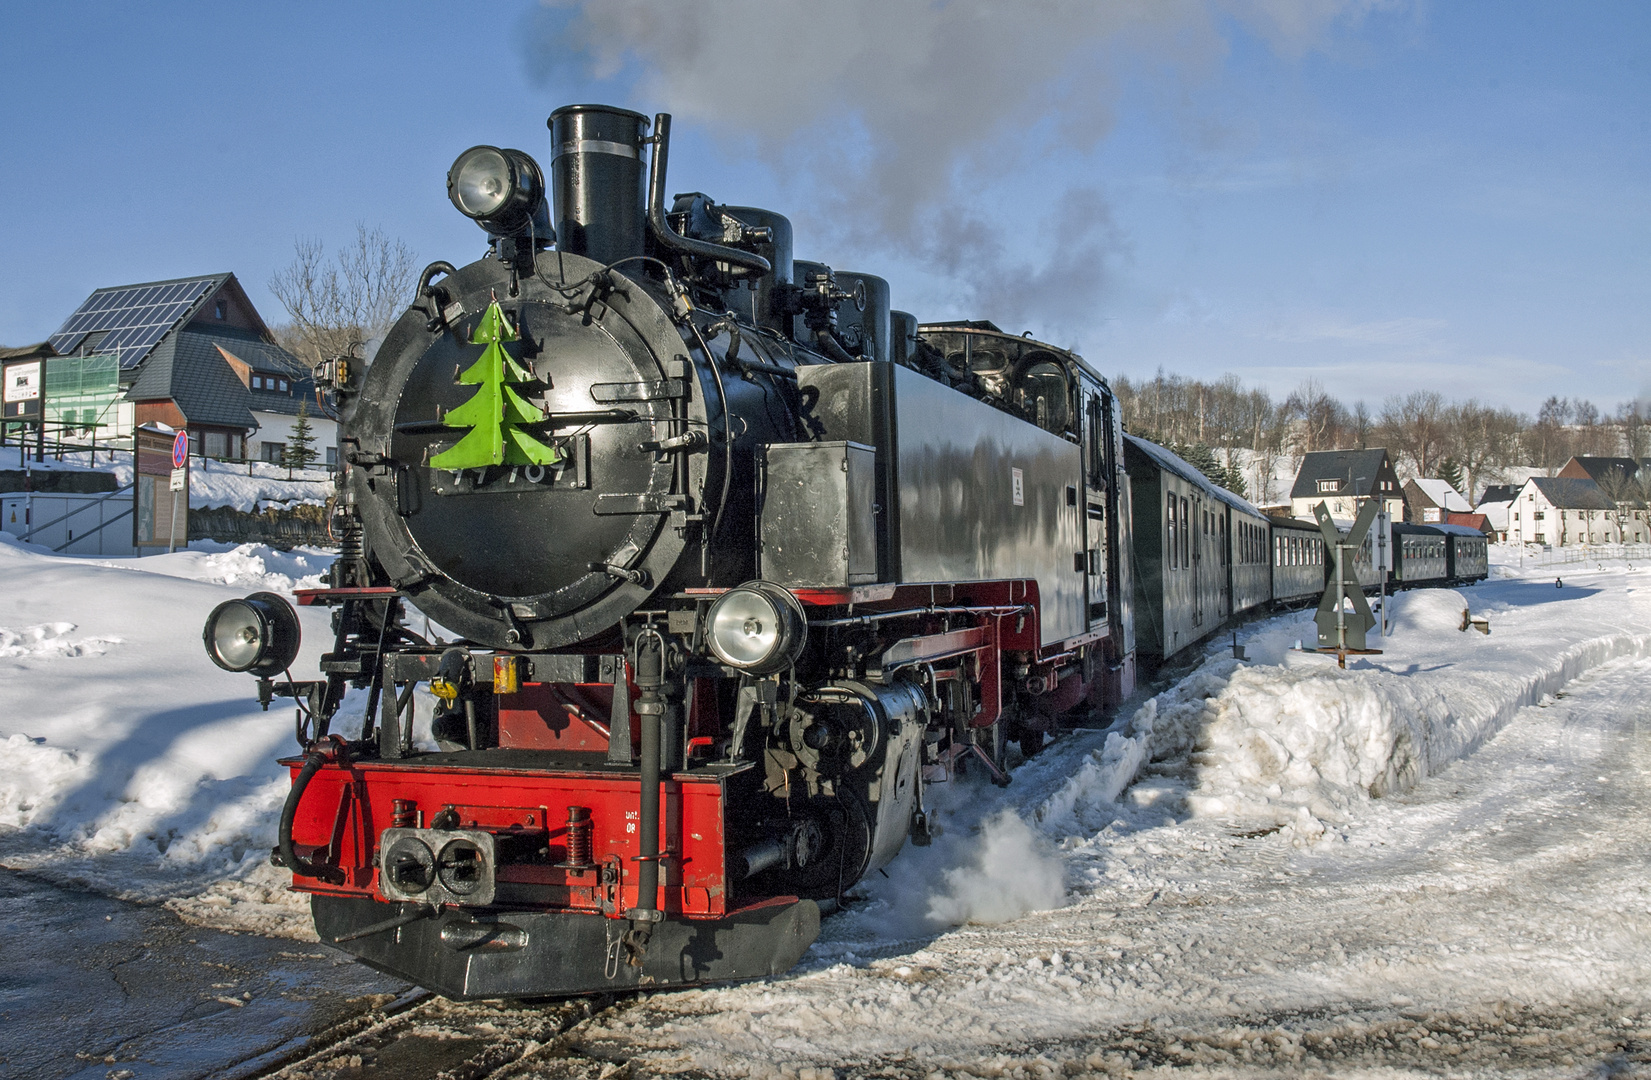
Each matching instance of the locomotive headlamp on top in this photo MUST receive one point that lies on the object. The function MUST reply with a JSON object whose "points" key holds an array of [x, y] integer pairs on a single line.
{"points": [[258, 634], [503, 191], [759, 628]]}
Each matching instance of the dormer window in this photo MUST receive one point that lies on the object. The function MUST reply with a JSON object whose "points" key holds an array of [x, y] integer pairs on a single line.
{"points": [[273, 383], [1329, 486]]}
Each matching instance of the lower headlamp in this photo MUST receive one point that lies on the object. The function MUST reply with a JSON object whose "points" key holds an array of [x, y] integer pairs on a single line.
{"points": [[257, 634], [759, 627]]}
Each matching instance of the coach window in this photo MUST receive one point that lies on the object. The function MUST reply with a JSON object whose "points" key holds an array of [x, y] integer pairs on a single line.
{"points": [[1097, 443], [1169, 527]]}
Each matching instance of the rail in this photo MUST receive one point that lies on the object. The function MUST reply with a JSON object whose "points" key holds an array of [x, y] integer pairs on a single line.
{"points": [[126, 513], [1574, 555], [34, 528]]}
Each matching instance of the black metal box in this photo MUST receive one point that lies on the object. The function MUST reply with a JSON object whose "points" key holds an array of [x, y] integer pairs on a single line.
{"points": [[817, 520]]}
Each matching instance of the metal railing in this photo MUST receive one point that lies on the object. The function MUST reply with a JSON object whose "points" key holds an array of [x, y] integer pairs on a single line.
{"points": [[1580, 554], [34, 527]]}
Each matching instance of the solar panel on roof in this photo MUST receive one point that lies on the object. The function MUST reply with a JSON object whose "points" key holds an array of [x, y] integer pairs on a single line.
{"points": [[136, 317]]}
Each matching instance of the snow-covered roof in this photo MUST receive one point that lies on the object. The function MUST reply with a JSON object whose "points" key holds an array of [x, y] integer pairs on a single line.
{"points": [[1443, 495], [1178, 465], [1497, 513]]}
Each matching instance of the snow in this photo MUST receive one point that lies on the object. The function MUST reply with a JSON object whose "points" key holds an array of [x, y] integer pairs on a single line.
{"points": [[130, 764], [247, 487], [1443, 495], [1411, 822]]}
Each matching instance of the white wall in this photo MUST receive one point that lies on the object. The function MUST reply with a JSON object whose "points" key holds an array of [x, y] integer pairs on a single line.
{"points": [[277, 427]]}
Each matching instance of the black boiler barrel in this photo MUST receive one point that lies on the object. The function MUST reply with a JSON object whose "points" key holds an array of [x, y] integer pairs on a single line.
{"points": [[598, 183]]}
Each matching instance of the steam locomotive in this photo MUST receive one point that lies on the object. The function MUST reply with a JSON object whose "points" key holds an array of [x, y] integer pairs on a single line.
{"points": [[738, 561]]}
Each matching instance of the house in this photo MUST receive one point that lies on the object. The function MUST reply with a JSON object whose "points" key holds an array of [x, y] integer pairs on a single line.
{"points": [[1344, 480], [1499, 493], [1428, 501], [194, 354], [1614, 475], [1563, 512], [1472, 520], [1497, 514]]}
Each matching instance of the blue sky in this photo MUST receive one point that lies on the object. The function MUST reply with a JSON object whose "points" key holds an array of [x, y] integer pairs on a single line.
{"points": [[1379, 195]]}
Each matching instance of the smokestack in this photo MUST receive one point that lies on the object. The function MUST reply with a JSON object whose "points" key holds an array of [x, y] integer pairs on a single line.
{"points": [[597, 181]]}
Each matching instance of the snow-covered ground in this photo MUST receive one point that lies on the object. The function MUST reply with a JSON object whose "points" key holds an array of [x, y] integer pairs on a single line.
{"points": [[1263, 840], [1422, 860]]}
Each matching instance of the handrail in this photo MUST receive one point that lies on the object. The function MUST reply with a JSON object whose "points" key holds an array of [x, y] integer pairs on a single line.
{"points": [[78, 510]]}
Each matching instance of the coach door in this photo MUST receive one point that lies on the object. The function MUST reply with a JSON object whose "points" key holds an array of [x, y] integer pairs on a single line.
{"points": [[1094, 505], [1200, 540]]}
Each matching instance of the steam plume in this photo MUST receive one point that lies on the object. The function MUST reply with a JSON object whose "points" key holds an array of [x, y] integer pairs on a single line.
{"points": [[910, 109]]}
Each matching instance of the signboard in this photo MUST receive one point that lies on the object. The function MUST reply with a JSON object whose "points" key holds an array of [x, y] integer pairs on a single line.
{"points": [[20, 390], [160, 508]]}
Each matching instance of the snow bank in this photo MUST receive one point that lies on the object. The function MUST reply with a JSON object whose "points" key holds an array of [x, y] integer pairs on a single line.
{"points": [[1291, 741], [129, 764]]}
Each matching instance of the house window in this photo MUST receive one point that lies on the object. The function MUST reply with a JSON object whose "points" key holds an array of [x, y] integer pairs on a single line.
{"points": [[332, 457], [257, 382], [216, 444], [281, 385], [272, 451], [1329, 485], [222, 310]]}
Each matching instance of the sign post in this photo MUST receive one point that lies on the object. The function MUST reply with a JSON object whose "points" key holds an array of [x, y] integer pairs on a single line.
{"points": [[180, 483], [1342, 632]]}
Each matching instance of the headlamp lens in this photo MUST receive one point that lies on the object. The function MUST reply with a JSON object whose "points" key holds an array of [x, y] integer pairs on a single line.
{"points": [[238, 635], [481, 182], [758, 627], [258, 634]]}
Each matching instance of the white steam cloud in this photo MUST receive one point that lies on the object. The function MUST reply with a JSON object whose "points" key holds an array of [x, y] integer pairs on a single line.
{"points": [[895, 117]]}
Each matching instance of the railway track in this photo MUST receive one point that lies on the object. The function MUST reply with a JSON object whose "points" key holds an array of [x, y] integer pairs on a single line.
{"points": [[423, 1036]]}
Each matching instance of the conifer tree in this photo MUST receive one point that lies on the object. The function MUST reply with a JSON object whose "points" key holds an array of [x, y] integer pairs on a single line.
{"points": [[300, 448], [494, 414]]}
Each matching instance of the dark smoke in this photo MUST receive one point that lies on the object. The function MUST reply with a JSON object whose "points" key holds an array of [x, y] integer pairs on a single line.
{"points": [[895, 117]]}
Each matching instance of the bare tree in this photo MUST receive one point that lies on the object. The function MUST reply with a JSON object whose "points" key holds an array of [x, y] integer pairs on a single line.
{"points": [[1360, 425], [1321, 419], [350, 299], [1415, 427], [1481, 439]]}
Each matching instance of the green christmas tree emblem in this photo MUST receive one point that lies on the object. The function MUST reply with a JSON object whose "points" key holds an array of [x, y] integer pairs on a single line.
{"points": [[495, 413]]}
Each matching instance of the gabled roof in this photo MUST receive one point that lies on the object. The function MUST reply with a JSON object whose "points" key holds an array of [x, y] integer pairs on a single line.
{"points": [[28, 352], [130, 320], [1358, 471], [1600, 469], [186, 368], [1178, 465], [1442, 495], [1499, 493], [1568, 493]]}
